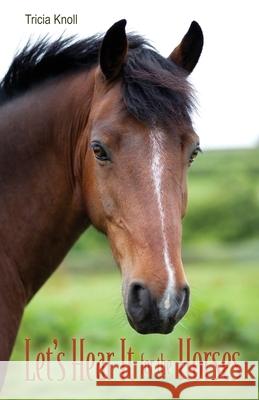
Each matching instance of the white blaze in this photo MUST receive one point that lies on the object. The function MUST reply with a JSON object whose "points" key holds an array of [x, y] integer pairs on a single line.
{"points": [[157, 174]]}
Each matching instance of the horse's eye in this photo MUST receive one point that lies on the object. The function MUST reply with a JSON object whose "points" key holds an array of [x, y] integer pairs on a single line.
{"points": [[99, 151], [194, 154]]}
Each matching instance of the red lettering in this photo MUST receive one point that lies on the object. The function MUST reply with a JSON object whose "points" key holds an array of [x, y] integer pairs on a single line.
{"points": [[179, 374], [222, 370], [197, 356], [215, 355], [100, 367], [248, 371], [235, 355], [236, 371], [192, 371], [226, 356]]}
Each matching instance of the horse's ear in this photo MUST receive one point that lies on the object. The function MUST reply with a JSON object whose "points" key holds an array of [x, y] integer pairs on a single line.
{"points": [[187, 54], [113, 50]]}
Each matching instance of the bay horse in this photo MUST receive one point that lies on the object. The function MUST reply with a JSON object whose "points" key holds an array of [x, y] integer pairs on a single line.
{"points": [[97, 131]]}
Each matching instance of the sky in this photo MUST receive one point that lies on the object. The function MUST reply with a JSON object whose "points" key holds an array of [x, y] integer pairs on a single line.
{"points": [[226, 78]]}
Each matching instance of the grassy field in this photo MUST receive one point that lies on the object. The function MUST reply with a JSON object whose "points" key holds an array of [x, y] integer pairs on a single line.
{"points": [[221, 254], [223, 197], [223, 313]]}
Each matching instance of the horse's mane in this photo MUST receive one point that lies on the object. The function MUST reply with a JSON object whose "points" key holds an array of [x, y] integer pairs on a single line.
{"points": [[154, 88]]}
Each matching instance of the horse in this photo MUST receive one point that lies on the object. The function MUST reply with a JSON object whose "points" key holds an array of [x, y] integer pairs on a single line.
{"points": [[98, 132]]}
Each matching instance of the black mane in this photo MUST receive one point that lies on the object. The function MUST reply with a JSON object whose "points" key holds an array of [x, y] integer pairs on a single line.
{"points": [[154, 88]]}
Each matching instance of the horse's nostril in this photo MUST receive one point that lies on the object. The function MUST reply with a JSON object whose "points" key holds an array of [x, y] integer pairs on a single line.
{"points": [[148, 314], [139, 301], [183, 303]]}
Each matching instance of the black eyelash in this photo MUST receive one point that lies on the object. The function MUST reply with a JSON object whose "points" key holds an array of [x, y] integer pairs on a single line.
{"points": [[98, 147], [194, 154]]}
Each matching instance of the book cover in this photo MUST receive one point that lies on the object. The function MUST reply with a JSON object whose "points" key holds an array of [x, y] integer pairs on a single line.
{"points": [[129, 200]]}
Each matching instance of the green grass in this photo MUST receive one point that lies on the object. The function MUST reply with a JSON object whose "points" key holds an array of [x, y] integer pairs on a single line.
{"points": [[222, 316], [223, 162], [223, 197]]}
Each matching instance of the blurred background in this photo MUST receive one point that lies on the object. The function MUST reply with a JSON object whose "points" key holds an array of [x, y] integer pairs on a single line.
{"points": [[221, 258], [221, 229]]}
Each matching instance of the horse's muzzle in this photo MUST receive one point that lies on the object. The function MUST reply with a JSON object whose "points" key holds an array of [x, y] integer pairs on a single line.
{"points": [[147, 314]]}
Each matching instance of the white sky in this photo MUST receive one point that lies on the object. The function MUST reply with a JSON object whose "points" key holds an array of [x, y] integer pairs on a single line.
{"points": [[226, 78]]}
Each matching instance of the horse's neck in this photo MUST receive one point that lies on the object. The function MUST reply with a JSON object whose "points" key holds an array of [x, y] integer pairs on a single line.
{"points": [[41, 211]]}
